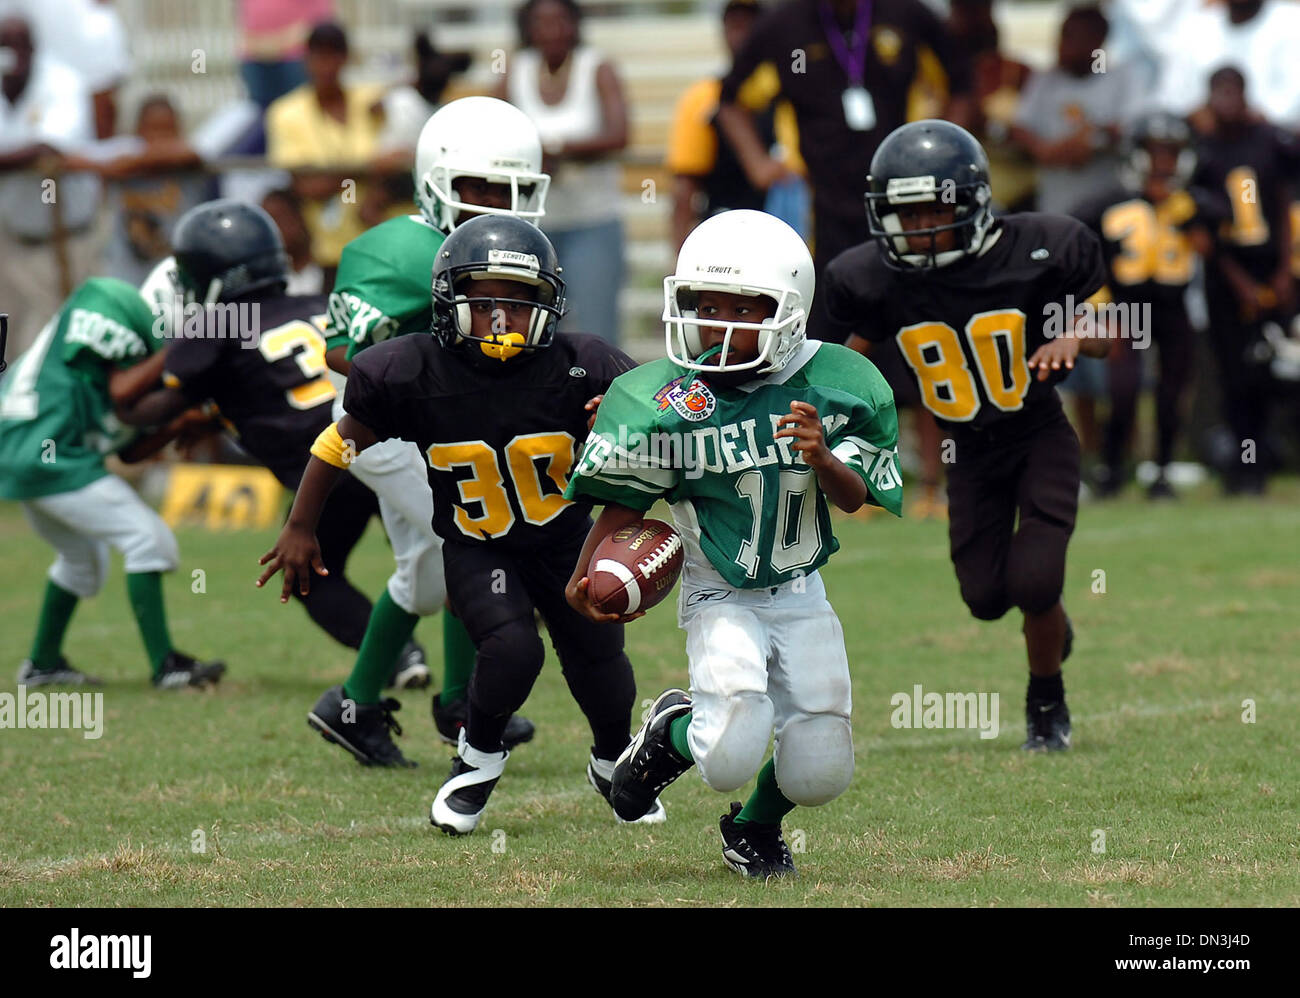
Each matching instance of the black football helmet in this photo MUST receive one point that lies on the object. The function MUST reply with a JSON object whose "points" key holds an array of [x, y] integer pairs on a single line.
{"points": [[926, 161], [1157, 128], [503, 248], [226, 250]]}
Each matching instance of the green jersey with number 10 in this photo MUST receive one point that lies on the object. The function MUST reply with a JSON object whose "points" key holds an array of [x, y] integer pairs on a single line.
{"points": [[745, 502]]}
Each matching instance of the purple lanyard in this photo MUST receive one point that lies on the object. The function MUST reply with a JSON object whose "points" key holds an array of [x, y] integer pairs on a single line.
{"points": [[855, 62]]}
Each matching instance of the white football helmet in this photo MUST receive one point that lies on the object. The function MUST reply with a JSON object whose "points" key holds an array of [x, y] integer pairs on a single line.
{"points": [[162, 292], [741, 252], [479, 137]]}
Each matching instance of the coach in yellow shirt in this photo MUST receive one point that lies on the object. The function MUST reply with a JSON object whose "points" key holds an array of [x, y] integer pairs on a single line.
{"points": [[327, 134]]}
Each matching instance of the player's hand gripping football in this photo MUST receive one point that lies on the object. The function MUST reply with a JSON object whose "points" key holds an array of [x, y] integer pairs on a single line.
{"points": [[298, 553], [577, 592], [804, 425]]}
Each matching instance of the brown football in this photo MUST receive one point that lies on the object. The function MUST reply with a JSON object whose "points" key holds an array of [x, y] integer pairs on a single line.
{"points": [[635, 567]]}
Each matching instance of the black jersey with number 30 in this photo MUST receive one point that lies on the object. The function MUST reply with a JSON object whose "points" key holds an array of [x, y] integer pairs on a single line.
{"points": [[967, 330], [500, 443], [272, 389]]}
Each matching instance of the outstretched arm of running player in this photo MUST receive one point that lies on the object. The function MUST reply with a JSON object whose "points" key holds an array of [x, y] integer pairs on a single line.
{"points": [[296, 550]]}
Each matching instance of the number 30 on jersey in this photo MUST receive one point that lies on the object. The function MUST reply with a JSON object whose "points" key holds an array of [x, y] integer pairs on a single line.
{"points": [[997, 344]]}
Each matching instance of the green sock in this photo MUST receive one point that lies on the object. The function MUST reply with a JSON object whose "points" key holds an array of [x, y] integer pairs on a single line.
{"points": [[56, 614], [390, 627], [144, 589], [766, 805], [677, 735], [458, 653]]}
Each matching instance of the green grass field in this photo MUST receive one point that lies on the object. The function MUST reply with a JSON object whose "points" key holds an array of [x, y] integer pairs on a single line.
{"points": [[1196, 806]]}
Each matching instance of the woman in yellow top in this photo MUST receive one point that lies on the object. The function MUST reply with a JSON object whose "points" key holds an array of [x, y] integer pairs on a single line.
{"points": [[327, 134]]}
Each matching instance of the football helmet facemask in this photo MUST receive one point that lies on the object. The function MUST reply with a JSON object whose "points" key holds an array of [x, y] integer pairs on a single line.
{"points": [[226, 250], [1157, 128], [740, 252], [503, 248], [929, 161], [485, 138]]}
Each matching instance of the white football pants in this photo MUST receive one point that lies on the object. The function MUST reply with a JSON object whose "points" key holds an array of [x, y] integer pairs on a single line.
{"points": [[83, 524], [761, 661], [396, 472]]}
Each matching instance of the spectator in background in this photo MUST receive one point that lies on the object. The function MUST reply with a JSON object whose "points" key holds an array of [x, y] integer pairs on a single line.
{"points": [[1070, 121], [48, 238], [409, 106], [1259, 36], [707, 176], [406, 108], [999, 82], [574, 97], [1248, 279], [326, 134], [846, 66], [154, 179], [305, 277], [272, 37]]}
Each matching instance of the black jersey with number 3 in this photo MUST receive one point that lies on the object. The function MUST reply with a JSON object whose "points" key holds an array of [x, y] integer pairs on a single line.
{"points": [[500, 443], [1147, 246], [272, 389], [967, 330]]}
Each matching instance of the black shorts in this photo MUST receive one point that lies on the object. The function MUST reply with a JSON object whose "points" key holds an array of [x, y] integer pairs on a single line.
{"points": [[1013, 492]]}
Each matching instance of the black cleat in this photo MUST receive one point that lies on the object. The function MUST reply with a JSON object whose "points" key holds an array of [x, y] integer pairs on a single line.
{"points": [[450, 722], [62, 674], [364, 729], [463, 797], [180, 670], [1161, 489], [649, 763], [755, 850], [599, 774], [1047, 726], [411, 670]]}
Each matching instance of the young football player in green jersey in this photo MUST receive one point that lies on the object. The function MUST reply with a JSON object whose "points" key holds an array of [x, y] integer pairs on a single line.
{"points": [[748, 429], [475, 156], [57, 422]]}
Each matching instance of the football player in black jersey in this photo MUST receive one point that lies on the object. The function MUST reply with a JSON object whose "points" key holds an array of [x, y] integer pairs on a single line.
{"points": [[983, 310], [496, 401], [1153, 225], [236, 339], [1248, 280]]}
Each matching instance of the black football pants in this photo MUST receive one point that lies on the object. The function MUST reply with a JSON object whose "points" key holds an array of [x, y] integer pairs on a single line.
{"points": [[1034, 475], [495, 591]]}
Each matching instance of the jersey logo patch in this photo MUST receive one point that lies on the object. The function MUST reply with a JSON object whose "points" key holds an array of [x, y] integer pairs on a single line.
{"points": [[577, 372], [1039, 254], [694, 403]]}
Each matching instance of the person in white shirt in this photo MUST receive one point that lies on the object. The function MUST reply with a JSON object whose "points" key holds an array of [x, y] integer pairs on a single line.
{"points": [[1260, 37], [48, 238], [574, 97]]}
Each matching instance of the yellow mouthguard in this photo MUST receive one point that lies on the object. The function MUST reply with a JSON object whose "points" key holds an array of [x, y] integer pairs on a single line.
{"points": [[503, 346]]}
